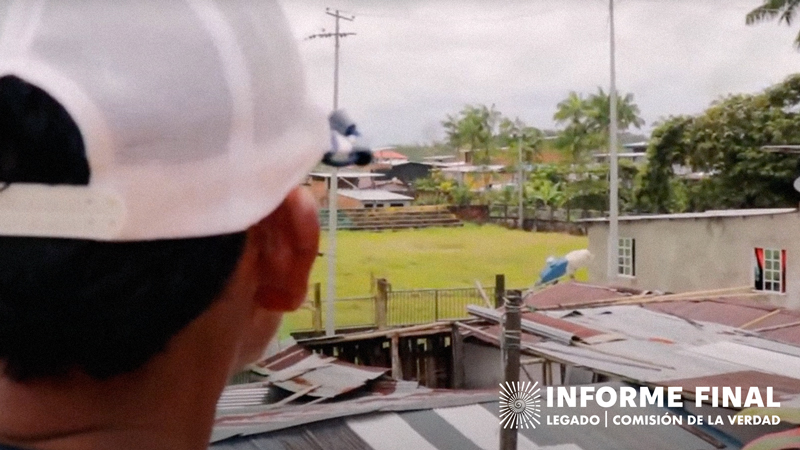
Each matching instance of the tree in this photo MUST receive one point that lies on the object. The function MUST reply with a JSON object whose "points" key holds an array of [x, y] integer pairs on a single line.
{"points": [[474, 128], [599, 113], [586, 121], [724, 144], [509, 134], [784, 10]]}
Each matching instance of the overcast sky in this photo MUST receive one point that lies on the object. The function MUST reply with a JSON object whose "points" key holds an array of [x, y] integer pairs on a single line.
{"points": [[413, 62]]}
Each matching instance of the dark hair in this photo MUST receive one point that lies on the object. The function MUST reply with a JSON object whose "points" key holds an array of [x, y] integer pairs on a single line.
{"points": [[104, 308]]}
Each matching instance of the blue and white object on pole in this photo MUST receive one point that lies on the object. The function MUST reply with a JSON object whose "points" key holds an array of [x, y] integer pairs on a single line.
{"points": [[346, 149]]}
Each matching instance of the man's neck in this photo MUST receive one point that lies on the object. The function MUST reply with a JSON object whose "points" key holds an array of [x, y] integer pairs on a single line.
{"points": [[168, 404], [80, 413]]}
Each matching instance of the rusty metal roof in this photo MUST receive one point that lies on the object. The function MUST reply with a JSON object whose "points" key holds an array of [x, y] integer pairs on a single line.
{"points": [[254, 420], [320, 376], [769, 321], [573, 294], [300, 371], [659, 348]]}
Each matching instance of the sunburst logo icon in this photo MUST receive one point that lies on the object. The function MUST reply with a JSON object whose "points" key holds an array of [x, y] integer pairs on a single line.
{"points": [[520, 404]]}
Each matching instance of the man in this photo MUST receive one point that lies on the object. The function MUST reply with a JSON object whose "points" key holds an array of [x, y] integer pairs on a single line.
{"points": [[151, 233]]}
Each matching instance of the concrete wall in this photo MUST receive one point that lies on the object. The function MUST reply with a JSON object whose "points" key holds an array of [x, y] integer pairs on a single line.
{"points": [[484, 371], [680, 255]]}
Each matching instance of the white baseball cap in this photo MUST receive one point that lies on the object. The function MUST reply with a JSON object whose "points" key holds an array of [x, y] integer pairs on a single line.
{"points": [[193, 114]]}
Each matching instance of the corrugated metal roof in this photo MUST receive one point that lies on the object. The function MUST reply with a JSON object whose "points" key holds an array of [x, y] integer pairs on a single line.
{"points": [[263, 419], [473, 425], [700, 215], [373, 195], [318, 376], [573, 293], [658, 348], [784, 388], [738, 312]]}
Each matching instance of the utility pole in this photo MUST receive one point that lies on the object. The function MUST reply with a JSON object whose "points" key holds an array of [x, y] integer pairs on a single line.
{"points": [[511, 358], [521, 213], [333, 180], [613, 200]]}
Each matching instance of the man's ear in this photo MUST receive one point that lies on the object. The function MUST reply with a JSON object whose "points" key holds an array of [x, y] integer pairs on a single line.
{"points": [[288, 242]]}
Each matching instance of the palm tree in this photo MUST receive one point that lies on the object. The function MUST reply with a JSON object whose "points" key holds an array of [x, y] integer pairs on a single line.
{"points": [[599, 112], [473, 127], [784, 10], [571, 110]]}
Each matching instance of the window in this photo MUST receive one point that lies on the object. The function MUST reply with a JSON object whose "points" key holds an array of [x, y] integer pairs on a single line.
{"points": [[626, 253], [770, 270]]}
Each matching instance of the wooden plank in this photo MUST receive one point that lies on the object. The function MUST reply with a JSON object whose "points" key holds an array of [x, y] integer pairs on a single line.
{"points": [[760, 319], [397, 370], [457, 346]]}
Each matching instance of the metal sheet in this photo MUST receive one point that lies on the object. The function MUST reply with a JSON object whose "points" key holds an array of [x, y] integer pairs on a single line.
{"points": [[700, 215], [388, 431], [570, 293], [526, 325], [465, 418], [332, 377], [755, 358]]}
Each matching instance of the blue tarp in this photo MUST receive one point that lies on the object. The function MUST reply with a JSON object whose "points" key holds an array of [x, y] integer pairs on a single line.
{"points": [[555, 269]]}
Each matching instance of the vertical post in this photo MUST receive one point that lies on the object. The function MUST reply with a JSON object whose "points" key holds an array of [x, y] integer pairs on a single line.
{"points": [[511, 365], [333, 214], [499, 290], [521, 186], [397, 368], [381, 303], [317, 316], [333, 220], [436, 305], [613, 202], [457, 344]]}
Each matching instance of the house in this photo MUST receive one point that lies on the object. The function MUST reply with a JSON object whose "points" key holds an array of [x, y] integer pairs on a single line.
{"points": [[477, 178], [708, 250], [388, 155], [372, 198], [635, 157], [318, 183], [406, 172]]}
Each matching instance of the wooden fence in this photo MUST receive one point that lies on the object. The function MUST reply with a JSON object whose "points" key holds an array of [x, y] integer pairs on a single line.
{"points": [[389, 308]]}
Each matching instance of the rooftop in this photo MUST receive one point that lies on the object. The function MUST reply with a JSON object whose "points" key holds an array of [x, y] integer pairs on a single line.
{"points": [[418, 418], [346, 175], [373, 195], [388, 153], [701, 215]]}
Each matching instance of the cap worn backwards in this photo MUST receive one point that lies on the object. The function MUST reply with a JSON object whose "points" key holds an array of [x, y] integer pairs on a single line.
{"points": [[193, 115]]}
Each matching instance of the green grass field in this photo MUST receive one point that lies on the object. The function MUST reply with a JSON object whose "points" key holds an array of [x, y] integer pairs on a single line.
{"points": [[432, 258]]}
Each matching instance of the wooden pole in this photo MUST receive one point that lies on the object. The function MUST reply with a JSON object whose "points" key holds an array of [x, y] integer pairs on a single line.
{"points": [[317, 313], [397, 369], [457, 344], [499, 290], [511, 343], [381, 303]]}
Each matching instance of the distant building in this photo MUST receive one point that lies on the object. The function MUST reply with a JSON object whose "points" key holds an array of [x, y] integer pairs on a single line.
{"points": [[372, 198], [318, 183], [407, 172], [708, 250], [388, 155], [635, 157]]}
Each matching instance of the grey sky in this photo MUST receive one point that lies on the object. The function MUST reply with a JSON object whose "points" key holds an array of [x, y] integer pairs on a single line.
{"points": [[414, 61]]}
